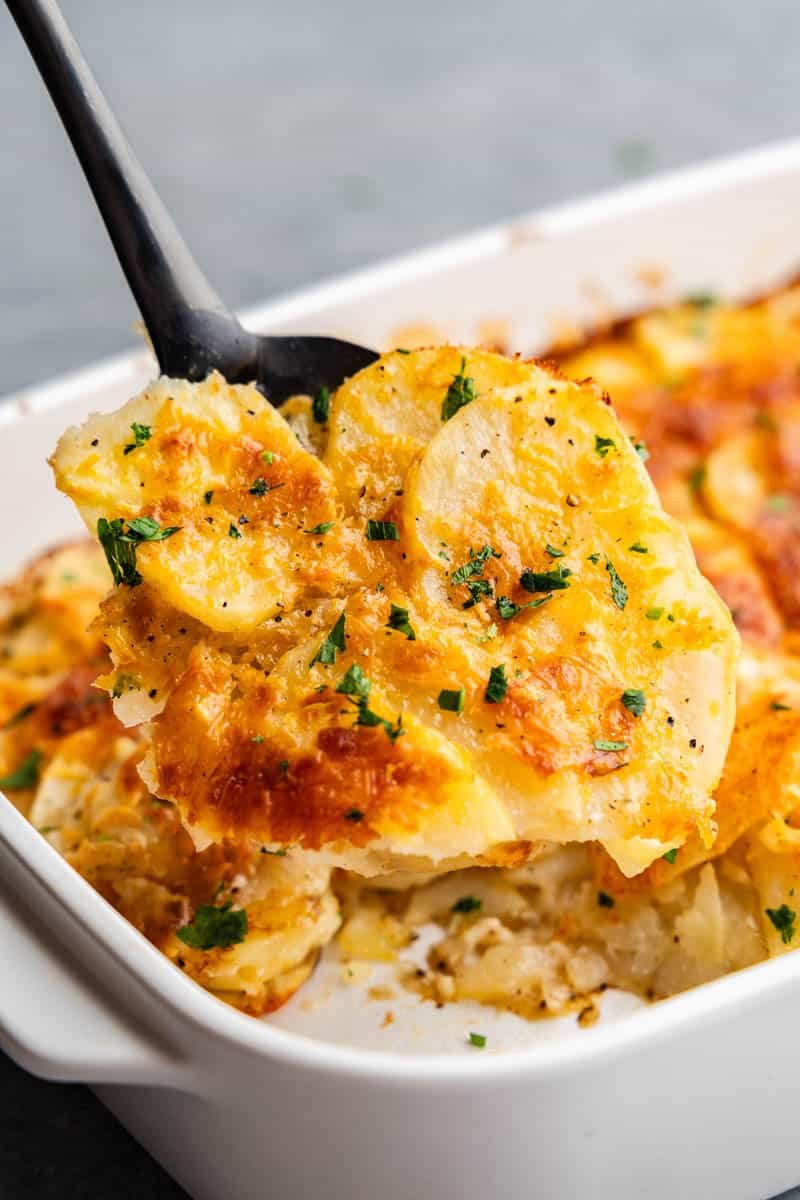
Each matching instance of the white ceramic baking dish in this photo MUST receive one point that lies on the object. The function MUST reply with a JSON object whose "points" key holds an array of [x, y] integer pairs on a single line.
{"points": [[693, 1098]]}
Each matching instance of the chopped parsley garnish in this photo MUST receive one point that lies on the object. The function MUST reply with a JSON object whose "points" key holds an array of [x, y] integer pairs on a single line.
{"points": [[120, 544], [497, 686], [268, 457], [609, 747], [25, 776], [258, 738], [261, 487], [702, 300], [593, 558], [654, 614], [602, 445], [214, 927], [355, 685], [125, 683], [467, 904], [783, 919], [776, 706], [670, 855], [551, 550], [489, 635], [634, 700], [640, 449], [638, 548], [398, 619], [477, 1039], [474, 565], [619, 592], [321, 405], [469, 573], [355, 815], [382, 531], [323, 528], [460, 393], [233, 531], [452, 700], [208, 497], [657, 645], [546, 581], [507, 609], [141, 434], [697, 477], [604, 900], [477, 588], [398, 350], [332, 644]]}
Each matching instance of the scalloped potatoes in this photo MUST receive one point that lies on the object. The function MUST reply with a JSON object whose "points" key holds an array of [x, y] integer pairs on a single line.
{"points": [[494, 634]]}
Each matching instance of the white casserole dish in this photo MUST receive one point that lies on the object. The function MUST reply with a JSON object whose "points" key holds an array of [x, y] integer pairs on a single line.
{"points": [[691, 1098]]}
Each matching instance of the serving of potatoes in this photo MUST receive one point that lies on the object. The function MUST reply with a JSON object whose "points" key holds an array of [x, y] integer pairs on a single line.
{"points": [[464, 629]]}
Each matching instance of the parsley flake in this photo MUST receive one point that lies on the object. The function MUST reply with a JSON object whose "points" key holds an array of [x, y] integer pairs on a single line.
{"points": [[507, 609], [467, 904], [634, 700], [120, 545], [355, 815], [141, 434], [619, 592], [640, 449], [208, 497], [214, 927], [321, 405], [670, 855], [546, 581], [261, 487], [268, 457], [25, 776], [551, 550], [602, 445], [489, 635], [593, 558], [332, 644], [604, 900], [776, 706], [609, 747], [702, 300], [382, 531], [460, 393], [233, 531], [452, 700], [697, 477], [323, 528], [398, 620], [638, 548], [783, 919], [478, 1040], [497, 686], [654, 614], [474, 565]]}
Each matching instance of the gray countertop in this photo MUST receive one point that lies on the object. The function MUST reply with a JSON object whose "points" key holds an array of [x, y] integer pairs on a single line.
{"points": [[293, 141]]}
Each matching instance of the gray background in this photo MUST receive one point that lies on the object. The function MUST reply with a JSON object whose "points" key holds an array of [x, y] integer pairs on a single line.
{"points": [[296, 140]]}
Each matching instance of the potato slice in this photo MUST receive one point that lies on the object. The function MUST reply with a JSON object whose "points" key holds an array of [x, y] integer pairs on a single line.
{"points": [[538, 485], [382, 417], [217, 464]]}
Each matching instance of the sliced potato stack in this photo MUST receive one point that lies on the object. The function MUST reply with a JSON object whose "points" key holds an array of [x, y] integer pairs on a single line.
{"points": [[469, 629]]}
